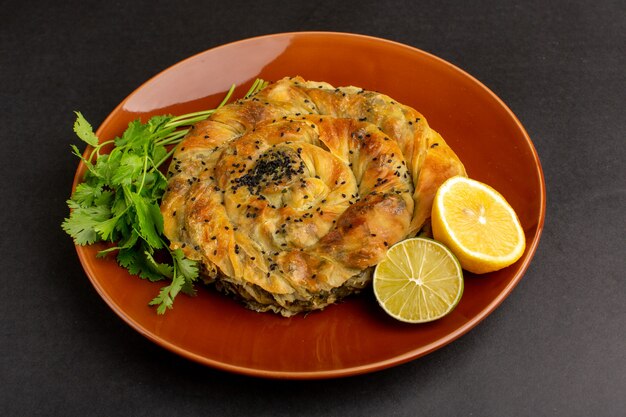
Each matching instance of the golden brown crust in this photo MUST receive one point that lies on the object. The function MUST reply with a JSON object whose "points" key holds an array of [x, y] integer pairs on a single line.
{"points": [[302, 187]]}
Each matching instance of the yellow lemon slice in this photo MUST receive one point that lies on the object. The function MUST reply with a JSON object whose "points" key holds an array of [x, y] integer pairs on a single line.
{"points": [[477, 224], [419, 280]]}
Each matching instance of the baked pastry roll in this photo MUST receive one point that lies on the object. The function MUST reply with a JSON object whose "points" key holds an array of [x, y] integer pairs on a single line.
{"points": [[290, 197]]}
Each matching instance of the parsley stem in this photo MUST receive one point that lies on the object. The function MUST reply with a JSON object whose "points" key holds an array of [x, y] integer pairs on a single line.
{"points": [[252, 88], [189, 120], [230, 93], [145, 166], [188, 115], [96, 149], [257, 86], [172, 138], [192, 118]]}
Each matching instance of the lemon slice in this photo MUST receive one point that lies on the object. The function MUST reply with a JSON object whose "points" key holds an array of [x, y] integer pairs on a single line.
{"points": [[477, 224], [419, 280]]}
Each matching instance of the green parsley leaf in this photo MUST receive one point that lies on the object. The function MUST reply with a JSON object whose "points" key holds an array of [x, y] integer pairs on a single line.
{"points": [[129, 170], [145, 225], [134, 259], [187, 267], [163, 269], [84, 131], [106, 228], [86, 194], [83, 221], [165, 299]]}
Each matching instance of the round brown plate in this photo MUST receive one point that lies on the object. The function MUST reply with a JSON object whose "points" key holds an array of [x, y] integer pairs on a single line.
{"points": [[355, 336]]}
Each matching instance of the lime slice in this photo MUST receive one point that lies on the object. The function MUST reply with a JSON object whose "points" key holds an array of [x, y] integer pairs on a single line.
{"points": [[419, 280]]}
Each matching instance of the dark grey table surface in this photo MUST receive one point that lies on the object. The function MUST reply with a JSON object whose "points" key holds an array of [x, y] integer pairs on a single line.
{"points": [[556, 346]]}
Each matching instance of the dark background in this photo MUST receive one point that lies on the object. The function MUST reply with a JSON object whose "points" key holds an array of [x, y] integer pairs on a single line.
{"points": [[556, 346]]}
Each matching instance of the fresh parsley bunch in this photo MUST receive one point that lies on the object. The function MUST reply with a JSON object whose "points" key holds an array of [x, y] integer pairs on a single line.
{"points": [[119, 199]]}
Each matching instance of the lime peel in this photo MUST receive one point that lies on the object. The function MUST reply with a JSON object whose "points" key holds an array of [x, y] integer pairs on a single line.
{"points": [[420, 280]]}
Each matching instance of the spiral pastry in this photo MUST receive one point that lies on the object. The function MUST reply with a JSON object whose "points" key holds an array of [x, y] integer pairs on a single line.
{"points": [[288, 198]]}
